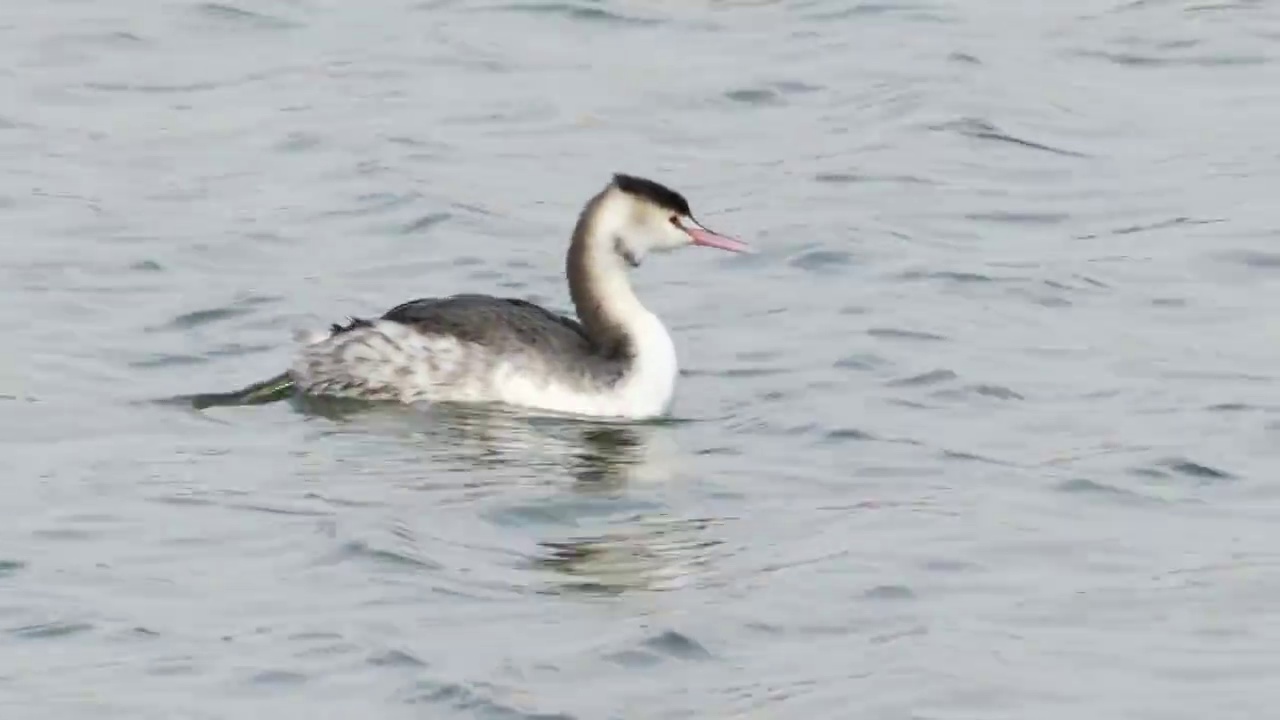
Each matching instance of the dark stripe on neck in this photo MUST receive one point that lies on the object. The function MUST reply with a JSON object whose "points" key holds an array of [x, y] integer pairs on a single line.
{"points": [[582, 268]]}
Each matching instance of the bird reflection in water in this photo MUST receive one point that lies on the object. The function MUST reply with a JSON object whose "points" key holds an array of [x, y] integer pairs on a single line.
{"points": [[648, 551], [621, 475]]}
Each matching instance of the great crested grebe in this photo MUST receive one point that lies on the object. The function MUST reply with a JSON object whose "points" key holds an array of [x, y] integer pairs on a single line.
{"points": [[617, 360]]}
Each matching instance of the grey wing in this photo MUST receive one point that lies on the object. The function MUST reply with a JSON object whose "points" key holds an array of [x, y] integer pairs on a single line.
{"points": [[499, 323]]}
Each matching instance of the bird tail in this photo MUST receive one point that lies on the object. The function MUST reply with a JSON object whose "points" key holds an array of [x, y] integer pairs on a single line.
{"points": [[277, 388]]}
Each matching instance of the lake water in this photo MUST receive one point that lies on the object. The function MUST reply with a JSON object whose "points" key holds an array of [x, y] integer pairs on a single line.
{"points": [[987, 429]]}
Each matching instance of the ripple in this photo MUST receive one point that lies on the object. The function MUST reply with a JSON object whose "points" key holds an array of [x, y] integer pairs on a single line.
{"points": [[933, 377], [635, 659], [889, 592], [561, 511], [277, 677], [900, 334], [155, 88], [1196, 470], [209, 316], [998, 392], [913, 11], [1159, 225], [475, 701], [330, 650], [9, 568], [797, 87], [1239, 407], [953, 276], [173, 667], [1092, 282], [182, 500], [1085, 486], [1138, 60], [298, 142], [756, 96], [752, 372], [240, 19], [426, 222], [374, 204], [158, 360], [262, 507], [574, 11], [972, 457], [1253, 258], [947, 565], [677, 645], [48, 631], [985, 130], [390, 558], [847, 434], [1021, 218], [834, 178], [896, 635], [822, 260], [67, 534], [860, 361], [396, 658]]}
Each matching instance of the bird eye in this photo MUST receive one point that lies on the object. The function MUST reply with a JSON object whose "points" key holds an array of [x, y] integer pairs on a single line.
{"points": [[675, 220]]}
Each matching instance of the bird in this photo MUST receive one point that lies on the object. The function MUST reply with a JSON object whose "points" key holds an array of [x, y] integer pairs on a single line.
{"points": [[615, 360]]}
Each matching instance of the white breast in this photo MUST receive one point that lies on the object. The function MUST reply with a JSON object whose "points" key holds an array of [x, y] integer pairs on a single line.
{"points": [[645, 391]]}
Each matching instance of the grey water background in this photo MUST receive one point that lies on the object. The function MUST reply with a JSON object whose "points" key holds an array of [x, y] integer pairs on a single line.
{"points": [[987, 429]]}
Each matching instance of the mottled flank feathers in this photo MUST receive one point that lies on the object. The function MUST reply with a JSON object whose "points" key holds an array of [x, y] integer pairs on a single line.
{"points": [[352, 324]]}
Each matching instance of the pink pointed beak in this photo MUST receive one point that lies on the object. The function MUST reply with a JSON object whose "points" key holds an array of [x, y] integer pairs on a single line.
{"points": [[706, 238]]}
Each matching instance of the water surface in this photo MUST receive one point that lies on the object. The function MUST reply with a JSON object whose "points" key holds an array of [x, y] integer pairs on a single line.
{"points": [[987, 429]]}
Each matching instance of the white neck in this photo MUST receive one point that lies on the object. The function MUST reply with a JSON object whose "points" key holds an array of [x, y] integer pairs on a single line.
{"points": [[611, 312]]}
